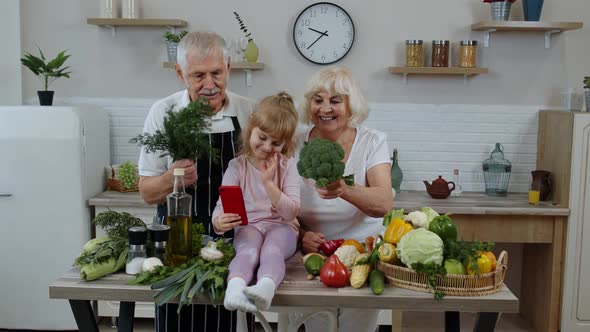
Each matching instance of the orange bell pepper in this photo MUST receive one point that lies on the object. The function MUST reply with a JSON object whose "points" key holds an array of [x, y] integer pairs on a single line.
{"points": [[396, 229], [355, 243]]}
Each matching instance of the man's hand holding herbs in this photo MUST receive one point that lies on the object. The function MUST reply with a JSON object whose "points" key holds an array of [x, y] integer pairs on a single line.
{"points": [[226, 222], [190, 171]]}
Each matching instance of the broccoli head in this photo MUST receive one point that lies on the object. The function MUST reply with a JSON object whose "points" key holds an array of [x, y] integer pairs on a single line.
{"points": [[321, 160]]}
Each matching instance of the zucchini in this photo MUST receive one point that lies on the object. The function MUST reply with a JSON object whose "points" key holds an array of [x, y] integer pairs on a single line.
{"points": [[377, 281]]}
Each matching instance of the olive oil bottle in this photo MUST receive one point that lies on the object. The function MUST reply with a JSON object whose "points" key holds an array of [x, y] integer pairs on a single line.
{"points": [[179, 248]]}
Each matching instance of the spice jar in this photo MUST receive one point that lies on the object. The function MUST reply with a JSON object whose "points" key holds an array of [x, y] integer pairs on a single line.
{"points": [[468, 53], [137, 253], [414, 53], [440, 53]]}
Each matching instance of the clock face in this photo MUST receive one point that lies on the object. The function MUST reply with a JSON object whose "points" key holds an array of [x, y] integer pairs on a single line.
{"points": [[323, 33]]}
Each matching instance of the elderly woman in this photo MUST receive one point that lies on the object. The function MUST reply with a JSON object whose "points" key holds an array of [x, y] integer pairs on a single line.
{"points": [[335, 109]]}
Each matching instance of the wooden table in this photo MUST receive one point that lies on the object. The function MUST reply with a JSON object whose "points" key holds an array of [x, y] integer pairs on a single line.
{"points": [[295, 291], [510, 219], [541, 228]]}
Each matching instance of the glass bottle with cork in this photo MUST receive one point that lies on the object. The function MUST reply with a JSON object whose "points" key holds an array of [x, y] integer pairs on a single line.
{"points": [[179, 219]]}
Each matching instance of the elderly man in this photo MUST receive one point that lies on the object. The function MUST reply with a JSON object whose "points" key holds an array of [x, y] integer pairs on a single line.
{"points": [[203, 66]]}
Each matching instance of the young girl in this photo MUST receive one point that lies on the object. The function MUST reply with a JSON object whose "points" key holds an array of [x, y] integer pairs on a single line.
{"points": [[267, 174]]}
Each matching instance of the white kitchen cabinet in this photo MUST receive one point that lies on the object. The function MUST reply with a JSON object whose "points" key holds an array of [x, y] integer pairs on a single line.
{"points": [[564, 149]]}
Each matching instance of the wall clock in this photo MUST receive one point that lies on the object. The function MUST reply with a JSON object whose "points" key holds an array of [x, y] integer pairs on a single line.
{"points": [[323, 33]]}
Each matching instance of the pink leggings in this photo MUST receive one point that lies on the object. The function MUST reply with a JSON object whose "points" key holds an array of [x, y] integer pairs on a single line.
{"points": [[270, 249]]}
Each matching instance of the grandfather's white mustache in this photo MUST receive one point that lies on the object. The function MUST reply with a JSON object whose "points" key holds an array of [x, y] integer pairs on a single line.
{"points": [[209, 92]]}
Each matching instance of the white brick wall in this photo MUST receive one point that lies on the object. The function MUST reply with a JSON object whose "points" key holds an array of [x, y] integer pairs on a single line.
{"points": [[431, 139]]}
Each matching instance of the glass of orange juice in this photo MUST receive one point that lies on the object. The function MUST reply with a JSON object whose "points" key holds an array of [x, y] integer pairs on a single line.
{"points": [[534, 193]]}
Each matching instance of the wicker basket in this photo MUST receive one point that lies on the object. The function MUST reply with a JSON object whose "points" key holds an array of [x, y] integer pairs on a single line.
{"points": [[451, 284], [116, 185]]}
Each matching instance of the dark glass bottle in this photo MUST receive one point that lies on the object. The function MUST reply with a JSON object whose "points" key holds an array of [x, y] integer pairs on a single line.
{"points": [[396, 173]]}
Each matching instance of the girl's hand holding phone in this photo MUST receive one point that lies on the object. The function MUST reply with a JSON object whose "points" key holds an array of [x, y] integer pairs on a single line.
{"points": [[226, 222]]}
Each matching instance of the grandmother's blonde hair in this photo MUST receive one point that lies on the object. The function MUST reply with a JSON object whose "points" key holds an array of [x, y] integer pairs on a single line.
{"points": [[336, 80], [275, 115]]}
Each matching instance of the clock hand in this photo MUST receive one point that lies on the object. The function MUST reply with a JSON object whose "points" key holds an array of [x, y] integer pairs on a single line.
{"points": [[323, 34]]}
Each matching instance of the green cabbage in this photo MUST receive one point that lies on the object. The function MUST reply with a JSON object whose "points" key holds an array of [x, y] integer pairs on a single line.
{"points": [[420, 246]]}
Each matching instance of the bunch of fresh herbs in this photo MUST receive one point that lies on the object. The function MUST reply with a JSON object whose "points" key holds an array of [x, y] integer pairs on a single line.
{"points": [[432, 271], [183, 134], [107, 254], [174, 37]]}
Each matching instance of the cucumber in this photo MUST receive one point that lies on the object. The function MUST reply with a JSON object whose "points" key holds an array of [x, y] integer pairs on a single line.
{"points": [[377, 281]]}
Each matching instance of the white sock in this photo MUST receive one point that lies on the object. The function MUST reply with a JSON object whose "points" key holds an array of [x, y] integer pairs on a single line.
{"points": [[235, 297], [261, 293]]}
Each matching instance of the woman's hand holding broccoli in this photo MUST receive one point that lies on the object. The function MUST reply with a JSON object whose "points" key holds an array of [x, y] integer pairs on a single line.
{"points": [[321, 160]]}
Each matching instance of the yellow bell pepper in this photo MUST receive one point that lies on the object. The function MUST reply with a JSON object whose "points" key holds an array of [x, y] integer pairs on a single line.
{"points": [[355, 243], [396, 229], [484, 265]]}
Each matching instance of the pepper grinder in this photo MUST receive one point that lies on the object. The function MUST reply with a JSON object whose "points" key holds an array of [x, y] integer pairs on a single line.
{"points": [[159, 236]]}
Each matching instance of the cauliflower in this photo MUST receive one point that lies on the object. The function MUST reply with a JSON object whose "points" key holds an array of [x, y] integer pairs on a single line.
{"points": [[347, 254], [418, 219], [321, 160], [420, 246]]}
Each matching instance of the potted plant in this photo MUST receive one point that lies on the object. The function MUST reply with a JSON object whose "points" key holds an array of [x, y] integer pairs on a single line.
{"points": [[587, 92], [47, 72], [250, 49], [500, 9], [172, 40]]}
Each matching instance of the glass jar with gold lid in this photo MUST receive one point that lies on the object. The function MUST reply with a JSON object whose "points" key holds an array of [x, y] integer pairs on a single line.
{"points": [[468, 54], [414, 53]]}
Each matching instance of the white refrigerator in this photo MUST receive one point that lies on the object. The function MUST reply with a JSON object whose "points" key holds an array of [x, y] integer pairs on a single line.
{"points": [[52, 161]]}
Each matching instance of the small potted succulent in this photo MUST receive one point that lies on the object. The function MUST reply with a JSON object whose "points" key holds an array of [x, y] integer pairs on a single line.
{"points": [[250, 49], [587, 92], [47, 72], [172, 40], [500, 9]]}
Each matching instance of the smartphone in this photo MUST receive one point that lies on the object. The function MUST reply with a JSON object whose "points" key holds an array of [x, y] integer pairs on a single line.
{"points": [[233, 201]]}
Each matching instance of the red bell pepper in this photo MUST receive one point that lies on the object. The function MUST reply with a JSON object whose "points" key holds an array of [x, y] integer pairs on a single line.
{"points": [[334, 273], [330, 246]]}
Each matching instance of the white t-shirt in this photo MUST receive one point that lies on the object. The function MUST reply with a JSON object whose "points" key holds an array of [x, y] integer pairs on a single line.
{"points": [[150, 164], [337, 218]]}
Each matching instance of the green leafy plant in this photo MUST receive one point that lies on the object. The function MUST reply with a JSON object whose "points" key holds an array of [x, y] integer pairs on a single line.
{"points": [[47, 72], [127, 174], [174, 37], [243, 26], [183, 134], [586, 82]]}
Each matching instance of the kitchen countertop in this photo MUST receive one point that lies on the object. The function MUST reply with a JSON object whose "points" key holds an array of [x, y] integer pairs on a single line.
{"points": [[466, 203]]}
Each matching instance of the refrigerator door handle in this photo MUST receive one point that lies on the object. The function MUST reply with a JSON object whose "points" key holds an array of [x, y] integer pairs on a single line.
{"points": [[5, 195]]}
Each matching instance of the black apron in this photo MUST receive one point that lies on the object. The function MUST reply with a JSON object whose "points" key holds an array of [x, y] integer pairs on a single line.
{"points": [[205, 193]]}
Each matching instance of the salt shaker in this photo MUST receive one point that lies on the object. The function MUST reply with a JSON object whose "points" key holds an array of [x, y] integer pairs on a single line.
{"points": [[137, 254]]}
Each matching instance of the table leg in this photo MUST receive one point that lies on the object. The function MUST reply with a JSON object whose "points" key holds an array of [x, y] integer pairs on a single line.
{"points": [[126, 314], [452, 321], [84, 315], [486, 321]]}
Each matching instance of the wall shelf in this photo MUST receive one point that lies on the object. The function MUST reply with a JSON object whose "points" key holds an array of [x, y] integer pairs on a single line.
{"points": [[112, 23], [548, 28], [247, 67], [459, 71]]}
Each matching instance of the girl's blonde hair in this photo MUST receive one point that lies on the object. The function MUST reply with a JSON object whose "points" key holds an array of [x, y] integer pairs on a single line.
{"points": [[275, 115], [336, 80]]}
